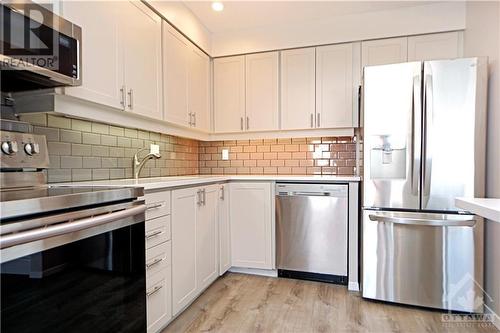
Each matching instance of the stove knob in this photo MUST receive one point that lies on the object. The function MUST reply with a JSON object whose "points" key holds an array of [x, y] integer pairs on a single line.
{"points": [[9, 147], [29, 148]]}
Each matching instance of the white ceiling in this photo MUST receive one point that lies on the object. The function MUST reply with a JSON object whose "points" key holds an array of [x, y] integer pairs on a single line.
{"points": [[241, 15]]}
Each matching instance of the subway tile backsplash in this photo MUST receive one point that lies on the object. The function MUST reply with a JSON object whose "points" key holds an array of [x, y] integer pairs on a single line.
{"points": [[297, 156], [81, 150]]}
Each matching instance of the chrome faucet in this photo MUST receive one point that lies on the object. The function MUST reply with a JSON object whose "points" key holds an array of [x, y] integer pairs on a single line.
{"points": [[139, 164]]}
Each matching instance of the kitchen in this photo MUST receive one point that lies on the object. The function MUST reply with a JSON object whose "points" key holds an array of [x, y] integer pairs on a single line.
{"points": [[251, 166]]}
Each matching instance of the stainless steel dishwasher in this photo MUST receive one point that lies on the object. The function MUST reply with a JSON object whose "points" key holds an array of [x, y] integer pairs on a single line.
{"points": [[311, 231]]}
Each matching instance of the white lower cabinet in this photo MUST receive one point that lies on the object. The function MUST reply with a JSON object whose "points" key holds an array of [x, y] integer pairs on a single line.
{"points": [[158, 260], [251, 219], [158, 286], [224, 230], [206, 238], [194, 243], [159, 305], [184, 214]]}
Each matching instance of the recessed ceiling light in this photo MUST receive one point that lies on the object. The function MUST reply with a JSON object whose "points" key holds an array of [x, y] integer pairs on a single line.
{"points": [[217, 6]]}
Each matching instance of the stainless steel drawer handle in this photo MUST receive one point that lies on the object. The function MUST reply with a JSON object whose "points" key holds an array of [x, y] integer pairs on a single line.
{"points": [[423, 222], [154, 291], [154, 234], [154, 262], [69, 227], [154, 206]]}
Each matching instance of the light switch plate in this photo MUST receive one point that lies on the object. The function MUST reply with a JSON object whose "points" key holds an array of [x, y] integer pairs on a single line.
{"points": [[154, 149], [225, 154]]}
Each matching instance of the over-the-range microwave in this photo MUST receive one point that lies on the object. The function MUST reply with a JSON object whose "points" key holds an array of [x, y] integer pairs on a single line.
{"points": [[38, 49]]}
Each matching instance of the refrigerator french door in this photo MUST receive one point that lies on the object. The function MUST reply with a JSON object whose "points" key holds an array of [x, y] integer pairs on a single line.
{"points": [[424, 139]]}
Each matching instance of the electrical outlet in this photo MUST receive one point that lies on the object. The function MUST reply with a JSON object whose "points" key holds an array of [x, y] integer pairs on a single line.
{"points": [[154, 149], [225, 154]]}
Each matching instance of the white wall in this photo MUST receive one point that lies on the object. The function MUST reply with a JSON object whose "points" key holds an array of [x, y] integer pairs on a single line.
{"points": [[482, 38], [371, 25], [184, 20]]}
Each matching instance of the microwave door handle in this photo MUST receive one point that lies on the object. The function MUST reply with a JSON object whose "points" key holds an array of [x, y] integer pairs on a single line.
{"points": [[467, 222], [68, 227]]}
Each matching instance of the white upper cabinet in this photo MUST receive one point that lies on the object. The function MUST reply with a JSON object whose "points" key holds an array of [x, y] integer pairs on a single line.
{"points": [[251, 225], [447, 45], [142, 59], [102, 68], [334, 86], [384, 51], [199, 89], [122, 58], [186, 77], [262, 92], [229, 94], [298, 71], [175, 76]]}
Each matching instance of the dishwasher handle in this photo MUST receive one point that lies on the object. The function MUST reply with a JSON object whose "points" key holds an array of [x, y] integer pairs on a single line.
{"points": [[311, 194]]}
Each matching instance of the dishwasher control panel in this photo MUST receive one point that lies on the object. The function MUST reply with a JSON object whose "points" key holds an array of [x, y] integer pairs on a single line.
{"points": [[332, 190]]}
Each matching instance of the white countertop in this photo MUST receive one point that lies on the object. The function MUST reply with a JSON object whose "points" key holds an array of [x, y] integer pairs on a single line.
{"points": [[486, 207], [177, 181]]}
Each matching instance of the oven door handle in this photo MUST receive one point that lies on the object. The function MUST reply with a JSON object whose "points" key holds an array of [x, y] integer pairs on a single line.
{"points": [[68, 227]]}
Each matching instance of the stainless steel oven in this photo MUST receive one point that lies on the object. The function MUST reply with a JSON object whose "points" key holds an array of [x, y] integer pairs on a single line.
{"points": [[72, 259], [76, 271]]}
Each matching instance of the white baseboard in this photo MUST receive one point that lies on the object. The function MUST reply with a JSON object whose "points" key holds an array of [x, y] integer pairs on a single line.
{"points": [[255, 271], [495, 318], [353, 286]]}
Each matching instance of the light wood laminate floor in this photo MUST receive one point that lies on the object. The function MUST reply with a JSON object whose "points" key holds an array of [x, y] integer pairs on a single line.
{"points": [[246, 303]]}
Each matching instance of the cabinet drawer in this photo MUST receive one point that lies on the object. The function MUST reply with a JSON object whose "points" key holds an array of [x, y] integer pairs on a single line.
{"points": [[159, 301], [158, 204], [157, 259], [157, 231]]}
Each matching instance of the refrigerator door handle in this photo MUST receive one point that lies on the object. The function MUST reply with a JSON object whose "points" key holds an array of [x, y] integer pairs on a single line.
{"points": [[465, 222], [416, 135], [427, 146]]}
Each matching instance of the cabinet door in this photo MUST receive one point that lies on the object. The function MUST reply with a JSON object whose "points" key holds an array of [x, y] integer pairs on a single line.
{"points": [[224, 230], [159, 303], [185, 204], [251, 225], [384, 51], [261, 93], [447, 45], [206, 238], [175, 76], [199, 88], [102, 67], [334, 86], [142, 54], [229, 94], [298, 86]]}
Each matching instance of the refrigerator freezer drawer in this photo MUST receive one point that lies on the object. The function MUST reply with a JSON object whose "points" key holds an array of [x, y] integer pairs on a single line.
{"points": [[423, 259]]}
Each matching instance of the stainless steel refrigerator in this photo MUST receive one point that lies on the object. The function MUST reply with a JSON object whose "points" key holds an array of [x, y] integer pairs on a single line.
{"points": [[424, 145]]}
